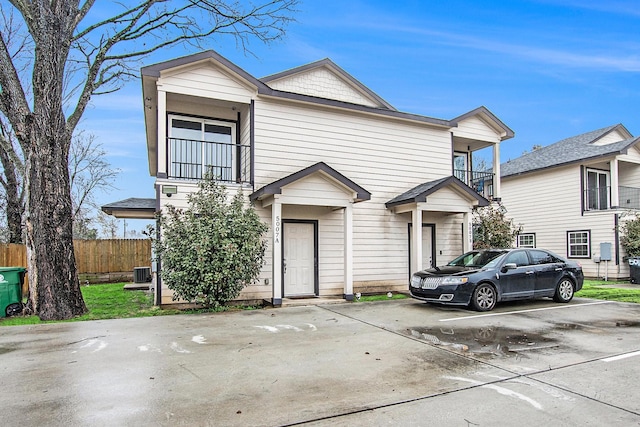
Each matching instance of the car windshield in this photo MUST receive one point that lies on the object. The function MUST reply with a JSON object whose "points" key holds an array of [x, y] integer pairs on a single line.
{"points": [[475, 259]]}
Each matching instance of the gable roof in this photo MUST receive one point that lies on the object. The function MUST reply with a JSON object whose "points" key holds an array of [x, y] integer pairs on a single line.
{"points": [[418, 194], [152, 72], [486, 115], [570, 150], [332, 66], [276, 186]]}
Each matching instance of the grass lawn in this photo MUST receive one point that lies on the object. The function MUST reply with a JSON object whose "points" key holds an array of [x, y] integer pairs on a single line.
{"points": [[111, 301], [598, 289], [108, 301], [382, 297]]}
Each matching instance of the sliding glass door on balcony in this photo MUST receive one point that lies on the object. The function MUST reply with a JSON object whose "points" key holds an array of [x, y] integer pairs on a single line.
{"points": [[597, 193], [198, 146]]}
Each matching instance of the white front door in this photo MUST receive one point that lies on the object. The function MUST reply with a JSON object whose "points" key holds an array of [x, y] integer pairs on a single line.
{"points": [[298, 263], [427, 247]]}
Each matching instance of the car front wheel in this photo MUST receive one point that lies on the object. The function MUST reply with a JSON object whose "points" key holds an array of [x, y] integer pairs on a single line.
{"points": [[484, 297], [564, 291]]}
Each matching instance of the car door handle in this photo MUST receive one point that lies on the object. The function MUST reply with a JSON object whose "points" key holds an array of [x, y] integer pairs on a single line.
{"points": [[530, 272], [559, 269]]}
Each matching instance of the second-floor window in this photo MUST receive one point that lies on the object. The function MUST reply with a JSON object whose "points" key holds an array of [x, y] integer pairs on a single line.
{"points": [[597, 190], [200, 146], [460, 166]]}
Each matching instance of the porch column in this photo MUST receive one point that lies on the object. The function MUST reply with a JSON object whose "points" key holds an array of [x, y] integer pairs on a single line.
{"points": [[348, 252], [416, 229], [162, 134], [276, 227], [613, 173], [467, 238], [496, 172]]}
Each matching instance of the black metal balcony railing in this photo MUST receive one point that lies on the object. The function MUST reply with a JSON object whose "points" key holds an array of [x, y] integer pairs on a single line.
{"points": [[599, 198], [481, 182], [629, 197], [192, 159]]}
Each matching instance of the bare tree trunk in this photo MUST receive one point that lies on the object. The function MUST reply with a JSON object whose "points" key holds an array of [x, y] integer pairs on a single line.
{"points": [[58, 293], [14, 201], [48, 196]]}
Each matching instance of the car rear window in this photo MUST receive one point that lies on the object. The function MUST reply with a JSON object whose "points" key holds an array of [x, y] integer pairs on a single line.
{"points": [[542, 257]]}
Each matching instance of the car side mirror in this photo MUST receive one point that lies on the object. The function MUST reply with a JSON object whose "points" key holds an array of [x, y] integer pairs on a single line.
{"points": [[509, 266]]}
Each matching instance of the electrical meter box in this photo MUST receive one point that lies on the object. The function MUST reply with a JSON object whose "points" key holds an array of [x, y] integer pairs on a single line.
{"points": [[605, 251]]}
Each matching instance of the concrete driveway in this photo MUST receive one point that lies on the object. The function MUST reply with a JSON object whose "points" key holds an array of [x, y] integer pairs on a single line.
{"points": [[375, 364]]}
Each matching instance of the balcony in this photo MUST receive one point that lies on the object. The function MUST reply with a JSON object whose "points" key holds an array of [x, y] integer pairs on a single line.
{"points": [[599, 198], [481, 182], [629, 197], [193, 159]]}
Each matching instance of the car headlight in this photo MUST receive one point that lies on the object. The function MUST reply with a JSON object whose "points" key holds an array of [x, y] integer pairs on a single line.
{"points": [[455, 280], [416, 281]]}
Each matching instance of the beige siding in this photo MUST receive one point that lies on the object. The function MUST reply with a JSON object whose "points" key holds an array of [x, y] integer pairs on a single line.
{"points": [[205, 80], [245, 140], [611, 137], [549, 204], [385, 157], [632, 156], [629, 175], [447, 200], [476, 128], [317, 190], [323, 83]]}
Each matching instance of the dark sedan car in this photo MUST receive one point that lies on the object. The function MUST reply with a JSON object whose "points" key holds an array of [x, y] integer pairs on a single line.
{"points": [[482, 278]]}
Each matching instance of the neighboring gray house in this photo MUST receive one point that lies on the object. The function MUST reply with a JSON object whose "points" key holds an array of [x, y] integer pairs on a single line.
{"points": [[357, 193], [572, 196]]}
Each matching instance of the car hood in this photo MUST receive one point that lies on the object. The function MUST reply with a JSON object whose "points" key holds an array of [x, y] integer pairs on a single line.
{"points": [[447, 270]]}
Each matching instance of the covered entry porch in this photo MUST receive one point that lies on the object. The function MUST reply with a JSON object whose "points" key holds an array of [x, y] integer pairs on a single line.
{"points": [[305, 207], [433, 200]]}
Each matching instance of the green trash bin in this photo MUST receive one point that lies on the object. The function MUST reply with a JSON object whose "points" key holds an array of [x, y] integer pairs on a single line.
{"points": [[11, 279]]}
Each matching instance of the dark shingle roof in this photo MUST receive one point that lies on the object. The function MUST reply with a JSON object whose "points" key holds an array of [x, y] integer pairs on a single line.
{"points": [[419, 193], [131, 204], [569, 150]]}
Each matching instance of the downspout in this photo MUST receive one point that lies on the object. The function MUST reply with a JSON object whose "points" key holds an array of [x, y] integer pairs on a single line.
{"points": [[582, 196], [616, 238], [252, 142], [238, 176], [158, 300]]}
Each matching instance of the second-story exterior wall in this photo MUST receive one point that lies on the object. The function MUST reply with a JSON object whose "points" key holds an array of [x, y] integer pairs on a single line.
{"points": [[368, 156]]}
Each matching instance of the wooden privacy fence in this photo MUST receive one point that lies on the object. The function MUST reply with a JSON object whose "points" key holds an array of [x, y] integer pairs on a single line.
{"points": [[93, 257]]}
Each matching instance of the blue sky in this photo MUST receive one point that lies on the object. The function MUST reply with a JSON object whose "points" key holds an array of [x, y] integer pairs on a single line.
{"points": [[549, 69]]}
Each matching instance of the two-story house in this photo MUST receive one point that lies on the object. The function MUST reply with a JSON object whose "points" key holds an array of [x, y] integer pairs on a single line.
{"points": [[572, 196], [357, 194]]}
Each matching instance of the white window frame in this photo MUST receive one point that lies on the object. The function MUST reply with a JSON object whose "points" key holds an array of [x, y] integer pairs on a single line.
{"points": [[571, 246], [532, 236], [607, 192], [203, 122], [461, 174]]}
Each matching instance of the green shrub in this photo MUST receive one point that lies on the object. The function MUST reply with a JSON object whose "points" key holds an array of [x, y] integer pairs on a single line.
{"points": [[630, 236], [491, 229], [212, 249]]}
